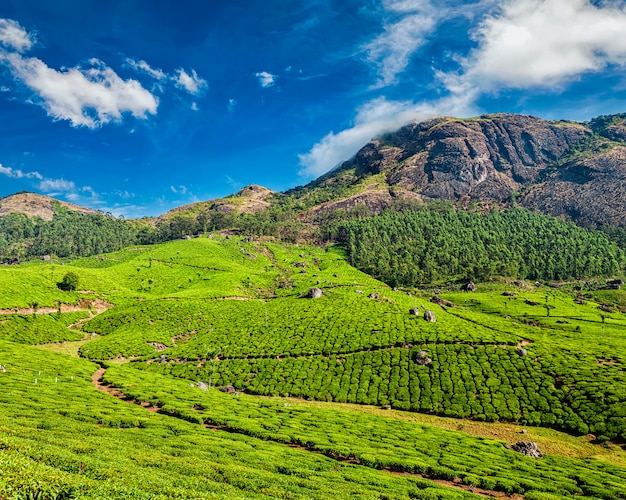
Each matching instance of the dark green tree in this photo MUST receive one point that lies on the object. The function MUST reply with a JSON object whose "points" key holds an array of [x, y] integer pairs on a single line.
{"points": [[69, 283]]}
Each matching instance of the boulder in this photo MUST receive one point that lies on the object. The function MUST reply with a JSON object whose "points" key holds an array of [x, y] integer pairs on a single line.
{"points": [[470, 287], [521, 351], [441, 302], [414, 311], [429, 316], [202, 386], [422, 358], [229, 389], [529, 449], [315, 293]]}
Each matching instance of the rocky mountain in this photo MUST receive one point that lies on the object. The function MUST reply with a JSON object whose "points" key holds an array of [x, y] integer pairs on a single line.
{"points": [[36, 205], [563, 168]]}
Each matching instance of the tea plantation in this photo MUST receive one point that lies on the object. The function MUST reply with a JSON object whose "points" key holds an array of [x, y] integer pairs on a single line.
{"points": [[225, 311]]}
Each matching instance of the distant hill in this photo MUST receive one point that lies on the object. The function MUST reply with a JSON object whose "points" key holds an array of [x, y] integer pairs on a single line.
{"points": [[250, 199], [36, 205]]}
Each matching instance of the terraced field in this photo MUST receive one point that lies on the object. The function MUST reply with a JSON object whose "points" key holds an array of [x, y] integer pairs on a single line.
{"points": [[223, 311]]}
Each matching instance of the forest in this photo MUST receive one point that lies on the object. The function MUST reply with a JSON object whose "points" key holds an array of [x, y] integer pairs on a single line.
{"points": [[427, 246]]}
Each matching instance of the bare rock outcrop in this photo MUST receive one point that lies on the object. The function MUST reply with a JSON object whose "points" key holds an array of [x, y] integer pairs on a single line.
{"points": [[487, 157], [527, 448]]}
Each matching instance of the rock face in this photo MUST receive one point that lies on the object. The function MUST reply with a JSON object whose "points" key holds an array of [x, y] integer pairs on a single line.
{"points": [[487, 157], [567, 169], [589, 190]]}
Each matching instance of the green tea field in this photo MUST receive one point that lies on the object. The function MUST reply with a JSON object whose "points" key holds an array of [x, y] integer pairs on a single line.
{"points": [[202, 368]]}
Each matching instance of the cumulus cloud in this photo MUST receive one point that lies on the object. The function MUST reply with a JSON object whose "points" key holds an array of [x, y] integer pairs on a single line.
{"points": [[57, 187], [19, 174], [191, 83], [266, 79], [85, 96], [88, 97], [12, 35], [410, 21], [81, 195], [143, 67], [373, 119], [545, 42]]}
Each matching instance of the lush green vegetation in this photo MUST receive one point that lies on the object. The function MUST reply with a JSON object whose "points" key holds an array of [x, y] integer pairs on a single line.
{"points": [[60, 438], [374, 440], [68, 234], [231, 311], [40, 328], [428, 246]]}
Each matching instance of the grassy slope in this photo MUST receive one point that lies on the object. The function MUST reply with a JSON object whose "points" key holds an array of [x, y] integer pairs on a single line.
{"points": [[169, 294], [61, 438]]}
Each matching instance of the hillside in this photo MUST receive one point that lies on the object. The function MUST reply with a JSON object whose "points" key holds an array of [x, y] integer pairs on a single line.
{"points": [[567, 169], [36, 205], [509, 358]]}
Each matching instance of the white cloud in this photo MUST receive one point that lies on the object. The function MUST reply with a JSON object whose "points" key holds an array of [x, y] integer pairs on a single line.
{"points": [[57, 186], [546, 42], [266, 79], [231, 105], [88, 97], [373, 119], [19, 174], [410, 22], [191, 83], [179, 189], [80, 195], [144, 67], [125, 195], [525, 43], [12, 35]]}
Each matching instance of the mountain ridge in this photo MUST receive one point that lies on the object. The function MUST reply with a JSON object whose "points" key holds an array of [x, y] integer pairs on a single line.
{"points": [[573, 170]]}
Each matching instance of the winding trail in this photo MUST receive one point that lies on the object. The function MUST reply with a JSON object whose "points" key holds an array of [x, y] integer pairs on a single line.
{"points": [[97, 379]]}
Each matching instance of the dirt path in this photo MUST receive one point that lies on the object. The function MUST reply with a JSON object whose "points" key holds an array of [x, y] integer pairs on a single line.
{"points": [[97, 379], [99, 306]]}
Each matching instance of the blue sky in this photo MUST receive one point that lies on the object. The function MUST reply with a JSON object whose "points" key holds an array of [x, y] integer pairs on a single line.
{"points": [[138, 106]]}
